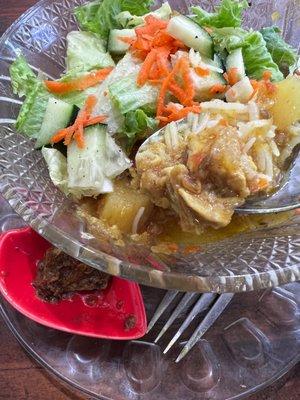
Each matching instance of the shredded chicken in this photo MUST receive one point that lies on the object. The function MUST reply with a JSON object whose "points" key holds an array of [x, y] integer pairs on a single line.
{"points": [[211, 170]]}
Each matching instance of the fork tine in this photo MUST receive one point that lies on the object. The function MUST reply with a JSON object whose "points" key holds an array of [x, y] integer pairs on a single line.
{"points": [[166, 301], [202, 304], [182, 304], [207, 322]]}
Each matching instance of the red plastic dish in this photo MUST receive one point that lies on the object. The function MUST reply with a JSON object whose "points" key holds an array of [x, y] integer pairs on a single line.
{"points": [[101, 314]]}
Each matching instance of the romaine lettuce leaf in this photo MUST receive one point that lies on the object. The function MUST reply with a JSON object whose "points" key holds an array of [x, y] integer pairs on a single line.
{"points": [[106, 14], [137, 125], [86, 51], [78, 97], [228, 39], [32, 112], [136, 7], [257, 57], [25, 82], [100, 16], [126, 66], [23, 79], [57, 166], [127, 96], [86, 16], [91, 169], [126, 20], [228, 14], [282, 53]]}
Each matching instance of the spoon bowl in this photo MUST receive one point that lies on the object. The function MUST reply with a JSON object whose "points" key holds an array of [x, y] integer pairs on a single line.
{"points": [[285, 198]]}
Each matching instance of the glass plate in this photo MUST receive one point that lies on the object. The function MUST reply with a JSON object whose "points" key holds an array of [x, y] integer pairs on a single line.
{"points": [[254, 342], [261, 259]]}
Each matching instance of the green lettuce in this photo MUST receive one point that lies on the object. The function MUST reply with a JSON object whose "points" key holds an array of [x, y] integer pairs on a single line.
{"points": [[25, 82], [127, 96], [33, 109], [228, 14], [100, 16], [257, 58], [23, 78], [57, 166], [86, 16], [137, 125], [127, 20], [136, 7], [79, 97], [282, 53], [86, 51]]}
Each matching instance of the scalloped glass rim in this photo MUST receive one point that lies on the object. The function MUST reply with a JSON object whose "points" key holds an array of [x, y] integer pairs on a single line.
{"points": [[194, 278]]}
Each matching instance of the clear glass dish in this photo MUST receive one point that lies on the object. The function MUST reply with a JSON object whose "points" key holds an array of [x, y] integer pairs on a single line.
{"points": [[254, 260], [254, 342]]}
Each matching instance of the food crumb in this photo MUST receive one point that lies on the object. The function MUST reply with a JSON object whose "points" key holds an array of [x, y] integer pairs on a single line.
{"points": [[130, 322], [275, 16], [120, 304]]}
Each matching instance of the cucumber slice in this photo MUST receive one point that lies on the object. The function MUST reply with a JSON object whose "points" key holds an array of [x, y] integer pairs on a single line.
{"points": [[235, 60], [217, 61], [117, 46], [57, 116], [240, 92], [191, 34], [204, 84], [85, 166]]}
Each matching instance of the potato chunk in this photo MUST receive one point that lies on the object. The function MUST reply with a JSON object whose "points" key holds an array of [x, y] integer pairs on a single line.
{"points": [[125, 207], [286, 110]]}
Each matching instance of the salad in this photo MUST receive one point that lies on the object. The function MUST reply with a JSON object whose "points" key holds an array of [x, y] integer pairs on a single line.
{"points": [[131, 71]]}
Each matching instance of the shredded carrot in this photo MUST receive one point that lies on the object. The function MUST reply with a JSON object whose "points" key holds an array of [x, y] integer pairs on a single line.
{"points": [[255, 84], [144, 72], [187, 80], [155, 81], [267, 75], [76, 131], [180, 113], [203, 72], [224, 122], [218, 88], [162, 62], [233, 76], [271, 88], [164, 88], [95, 120], [154, 46], [179, 93], [81, 83], [162, 95], [126, 39]]}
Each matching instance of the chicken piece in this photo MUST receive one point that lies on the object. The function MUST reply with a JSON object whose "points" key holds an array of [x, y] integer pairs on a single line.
{"points": [[194, 205], [204, 179], [225, 167]]}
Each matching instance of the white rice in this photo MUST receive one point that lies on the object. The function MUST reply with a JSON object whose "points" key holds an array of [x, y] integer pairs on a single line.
{"points": [[249, 144], [137, 220], [253, 111]]}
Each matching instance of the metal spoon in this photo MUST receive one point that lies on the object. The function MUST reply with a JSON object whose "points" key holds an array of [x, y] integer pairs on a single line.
{"points": [[285, 198]]}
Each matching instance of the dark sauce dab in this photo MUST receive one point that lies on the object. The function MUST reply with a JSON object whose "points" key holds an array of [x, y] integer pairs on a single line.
{"points": [[60, 276]]}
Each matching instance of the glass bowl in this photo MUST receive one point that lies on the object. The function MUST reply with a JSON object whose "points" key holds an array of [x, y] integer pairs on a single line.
{"points": [[254, 260]]}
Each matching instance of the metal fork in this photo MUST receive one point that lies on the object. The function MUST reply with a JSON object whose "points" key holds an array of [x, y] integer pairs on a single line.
{"points": [[202, 304]]}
